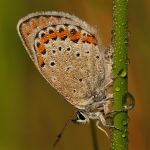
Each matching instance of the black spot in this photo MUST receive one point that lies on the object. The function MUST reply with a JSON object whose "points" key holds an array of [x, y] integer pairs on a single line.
{"points": [[86, 42], [53, 25], [93, 36], [79, 27], [78, 54], [38, 44], [59, 48], [68, 68], [73, 31], [87, 52], [54, 51], [80, 80], [43, 64], [43, 52], [54, 38], [84, 34], [61, 30], [66, 24], [51, 31], [63, 38], [74, 90], [43, 34], [44, 28], [52, 63], [97, 57], [68, 49], [75, 41], [47, 41]]}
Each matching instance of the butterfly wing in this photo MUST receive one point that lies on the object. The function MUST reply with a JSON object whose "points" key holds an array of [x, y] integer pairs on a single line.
{"points": [[67, 52]]}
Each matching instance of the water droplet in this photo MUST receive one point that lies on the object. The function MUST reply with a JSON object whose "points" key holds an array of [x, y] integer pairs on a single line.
{"points": [[123, 73], [130, 102], [117, 89], [125, 122], [124, 133], [126, 41], [119, 52], [123, 24]]}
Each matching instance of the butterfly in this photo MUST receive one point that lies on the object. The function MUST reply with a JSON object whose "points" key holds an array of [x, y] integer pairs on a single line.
{"points": [[70, 56]]}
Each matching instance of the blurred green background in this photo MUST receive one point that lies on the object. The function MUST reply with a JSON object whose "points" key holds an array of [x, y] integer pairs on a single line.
{"points": [[32, 113]]}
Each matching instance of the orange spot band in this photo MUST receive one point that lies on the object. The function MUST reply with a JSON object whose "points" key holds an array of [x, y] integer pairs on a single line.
{"points": [[62, 34], [74, 36], [41, 48], [54, 35], [41, 61], [89, 39]]}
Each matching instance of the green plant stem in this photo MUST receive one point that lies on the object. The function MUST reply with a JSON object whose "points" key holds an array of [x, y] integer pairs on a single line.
{"points": [[120, 87], [94, 137]]}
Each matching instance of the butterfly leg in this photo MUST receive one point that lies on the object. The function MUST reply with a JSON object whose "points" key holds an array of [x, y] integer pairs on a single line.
{"points": [[99, 127], [104, 123]]}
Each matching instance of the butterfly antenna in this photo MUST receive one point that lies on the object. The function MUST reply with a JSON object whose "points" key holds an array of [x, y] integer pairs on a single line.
{"points": [[61, 133]]}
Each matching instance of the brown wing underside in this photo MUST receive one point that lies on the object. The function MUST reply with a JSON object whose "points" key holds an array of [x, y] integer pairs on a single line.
{"points": [[72, 65]]}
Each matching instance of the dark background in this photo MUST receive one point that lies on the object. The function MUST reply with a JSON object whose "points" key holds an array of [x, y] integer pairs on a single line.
{"points": [[32, 113]]}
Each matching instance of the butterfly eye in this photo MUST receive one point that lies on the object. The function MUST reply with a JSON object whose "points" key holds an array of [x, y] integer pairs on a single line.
{"points": [[80, 116]]}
